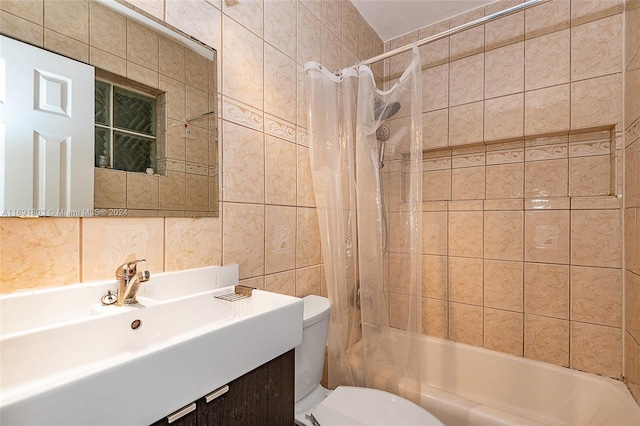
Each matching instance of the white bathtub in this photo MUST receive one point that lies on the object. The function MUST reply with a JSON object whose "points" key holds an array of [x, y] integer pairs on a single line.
{"points": [[466, 385]]}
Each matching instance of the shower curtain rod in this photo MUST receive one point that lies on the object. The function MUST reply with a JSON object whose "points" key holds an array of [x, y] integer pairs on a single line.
{"points": [[452, 31]]}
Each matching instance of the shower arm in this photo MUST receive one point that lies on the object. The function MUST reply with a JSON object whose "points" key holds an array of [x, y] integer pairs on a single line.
{"points": [[452, 31]]}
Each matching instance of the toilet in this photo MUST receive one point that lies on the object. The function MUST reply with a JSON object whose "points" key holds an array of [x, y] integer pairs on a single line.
{"points": [[346, 405]]}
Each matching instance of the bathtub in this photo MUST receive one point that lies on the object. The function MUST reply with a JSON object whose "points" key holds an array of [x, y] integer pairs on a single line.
{"points": [[466, 385]]}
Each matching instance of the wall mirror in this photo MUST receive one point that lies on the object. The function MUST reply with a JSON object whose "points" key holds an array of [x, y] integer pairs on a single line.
{"points": [[153, 134]]}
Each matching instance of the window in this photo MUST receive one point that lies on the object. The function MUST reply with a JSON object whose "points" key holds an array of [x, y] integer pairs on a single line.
{"points": [[125, 128]]}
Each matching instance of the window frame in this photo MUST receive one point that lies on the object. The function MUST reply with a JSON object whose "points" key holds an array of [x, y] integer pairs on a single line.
{"points": [[112, 129]]}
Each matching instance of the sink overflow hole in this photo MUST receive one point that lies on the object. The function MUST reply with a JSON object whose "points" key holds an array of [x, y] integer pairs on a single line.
{"points": [[135, 324]]}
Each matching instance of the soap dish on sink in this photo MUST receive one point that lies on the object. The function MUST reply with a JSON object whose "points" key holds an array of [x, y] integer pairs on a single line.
{"points": [[239, 292]]}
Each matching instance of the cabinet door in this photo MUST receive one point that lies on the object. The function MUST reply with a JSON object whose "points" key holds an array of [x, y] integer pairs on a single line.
{"points": [[263, 396]]}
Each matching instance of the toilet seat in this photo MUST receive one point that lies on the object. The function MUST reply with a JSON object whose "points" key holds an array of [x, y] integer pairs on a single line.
{"points": [[348, 405]]}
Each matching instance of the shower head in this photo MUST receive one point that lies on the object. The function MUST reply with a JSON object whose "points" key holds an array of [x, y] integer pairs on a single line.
{"points": [[382, 134], [383, 110]]}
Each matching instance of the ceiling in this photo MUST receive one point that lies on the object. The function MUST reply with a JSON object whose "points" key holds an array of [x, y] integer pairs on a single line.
{"points": [[393, 18]]}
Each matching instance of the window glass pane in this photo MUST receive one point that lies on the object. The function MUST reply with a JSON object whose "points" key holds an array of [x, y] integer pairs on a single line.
{"points": [[102, 93], [133, 111], [101, 145], [133, 153]]}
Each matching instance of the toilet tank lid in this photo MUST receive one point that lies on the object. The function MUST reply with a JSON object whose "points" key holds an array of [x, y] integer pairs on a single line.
{"points": [[316, 308]]}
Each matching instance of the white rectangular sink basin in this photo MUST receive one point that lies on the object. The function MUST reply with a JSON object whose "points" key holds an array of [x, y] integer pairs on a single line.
{"points": [[26, 310], [90, 343], [98, 370]]}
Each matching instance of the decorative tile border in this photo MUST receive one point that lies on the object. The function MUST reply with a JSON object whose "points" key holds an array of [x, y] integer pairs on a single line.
{"points": [[551, 140], [302, 137], [633, 132], [442, 163], [506, 156], [589, 148], [546, 152], [169, 164], [544, 145], [280, 129], [468, 160], [197, 169], [241, 114]]}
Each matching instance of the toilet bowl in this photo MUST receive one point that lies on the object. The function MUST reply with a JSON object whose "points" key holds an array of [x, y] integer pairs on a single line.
{"points": [[346, 405]]}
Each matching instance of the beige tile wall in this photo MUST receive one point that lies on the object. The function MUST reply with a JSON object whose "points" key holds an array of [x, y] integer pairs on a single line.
{"points": [[522, 227], [632, 198], [268, 219]]}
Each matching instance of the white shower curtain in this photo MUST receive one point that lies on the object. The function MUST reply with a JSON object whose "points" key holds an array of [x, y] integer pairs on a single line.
{"points": [[368, 197]]}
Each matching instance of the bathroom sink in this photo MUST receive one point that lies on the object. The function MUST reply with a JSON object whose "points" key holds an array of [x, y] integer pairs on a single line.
{"points": [[60, 305], [138, 363], [97, 342]]}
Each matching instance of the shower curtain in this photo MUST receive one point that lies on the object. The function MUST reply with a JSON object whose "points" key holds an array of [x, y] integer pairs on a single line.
{"points": [[369, 203]]}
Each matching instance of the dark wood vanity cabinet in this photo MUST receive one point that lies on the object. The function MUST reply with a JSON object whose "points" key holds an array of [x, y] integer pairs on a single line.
{"points": [[263, 396]]}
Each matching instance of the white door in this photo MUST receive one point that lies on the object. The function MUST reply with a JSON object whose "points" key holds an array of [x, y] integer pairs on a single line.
{"points": [[46, 132]]}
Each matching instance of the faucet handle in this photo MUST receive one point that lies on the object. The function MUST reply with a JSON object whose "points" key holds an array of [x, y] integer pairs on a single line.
{"points": [[128, 269], [133, 263]]}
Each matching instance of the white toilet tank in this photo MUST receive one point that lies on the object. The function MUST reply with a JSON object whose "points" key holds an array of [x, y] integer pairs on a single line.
{"points": [[310, 353]]}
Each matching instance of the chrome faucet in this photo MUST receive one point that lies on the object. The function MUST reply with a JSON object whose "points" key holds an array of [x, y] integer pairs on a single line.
{"points": [[129, 280]]}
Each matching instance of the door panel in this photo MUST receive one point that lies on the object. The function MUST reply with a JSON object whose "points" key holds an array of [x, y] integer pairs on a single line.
{"points": [[47, 109], [52, 93]]}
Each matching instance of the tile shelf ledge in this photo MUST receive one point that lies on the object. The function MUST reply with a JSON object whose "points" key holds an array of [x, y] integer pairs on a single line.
{"points": [[601, 202], [570, 135]]}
